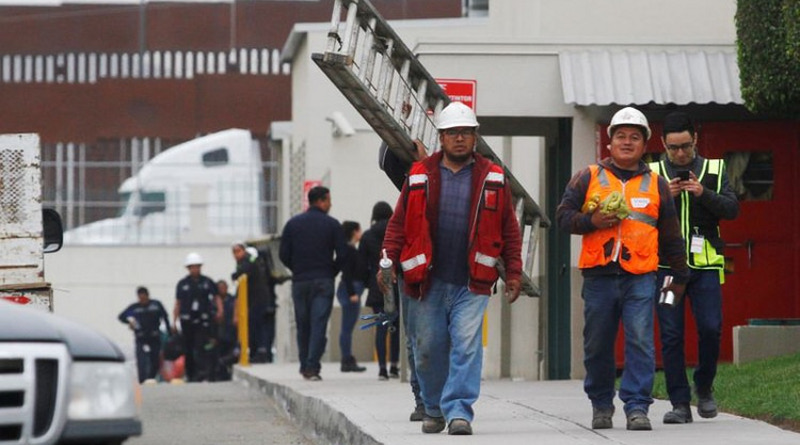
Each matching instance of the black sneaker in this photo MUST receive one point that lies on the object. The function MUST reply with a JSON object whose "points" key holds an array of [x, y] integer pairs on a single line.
{"points": [[706, 405], [638, 421], [382, 375], [418, 414], [680, 413], [394, 373], [433, 425], [601, 418], [459, 427]]}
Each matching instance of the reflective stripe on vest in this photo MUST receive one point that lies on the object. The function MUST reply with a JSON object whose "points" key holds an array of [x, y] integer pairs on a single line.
{"points": [[413, 262], [634, 242]]}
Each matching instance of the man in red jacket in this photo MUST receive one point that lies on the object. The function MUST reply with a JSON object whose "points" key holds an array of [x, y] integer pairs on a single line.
{"points": [[453, 223]]}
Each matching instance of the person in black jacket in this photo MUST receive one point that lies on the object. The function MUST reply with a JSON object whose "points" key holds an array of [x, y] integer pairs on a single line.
{"points": [[144, 318], [370, 250], [195, 305], [260, 301], [313, 248], [349, 295], [397, 172], [703, 197]]}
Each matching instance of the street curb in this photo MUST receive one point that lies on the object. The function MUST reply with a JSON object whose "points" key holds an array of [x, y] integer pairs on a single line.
{"points": [[311, 413]]}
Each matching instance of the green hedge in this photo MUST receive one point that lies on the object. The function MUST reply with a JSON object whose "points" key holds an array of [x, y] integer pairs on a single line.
{"points": [[768, 38]]}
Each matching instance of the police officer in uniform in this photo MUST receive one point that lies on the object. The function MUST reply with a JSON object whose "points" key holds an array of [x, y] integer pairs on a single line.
{"points": [[144, 318], [702, 196], [194, 305]]}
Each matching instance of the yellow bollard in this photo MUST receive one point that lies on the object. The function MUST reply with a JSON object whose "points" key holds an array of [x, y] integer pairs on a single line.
{"points": [[243, 325]]}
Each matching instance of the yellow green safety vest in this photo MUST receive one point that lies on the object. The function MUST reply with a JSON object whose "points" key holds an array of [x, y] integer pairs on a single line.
{"points": [[710, 176]]}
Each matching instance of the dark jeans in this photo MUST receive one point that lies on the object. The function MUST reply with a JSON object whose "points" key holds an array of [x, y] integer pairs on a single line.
{"points": [[148, 351], [313, 301], [412, 371], [262, 333], [381, 332], [196, 355], [350, 313], [609, 299], [705, 295]]}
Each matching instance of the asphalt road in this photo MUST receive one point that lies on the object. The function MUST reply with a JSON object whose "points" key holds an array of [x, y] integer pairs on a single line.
{"points": [[213, 413]]}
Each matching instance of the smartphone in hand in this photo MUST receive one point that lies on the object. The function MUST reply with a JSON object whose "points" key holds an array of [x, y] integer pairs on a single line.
{"points": [[683, 175]]}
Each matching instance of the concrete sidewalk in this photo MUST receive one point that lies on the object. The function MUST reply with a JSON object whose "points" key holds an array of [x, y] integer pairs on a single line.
{"points": [[357, 408]]}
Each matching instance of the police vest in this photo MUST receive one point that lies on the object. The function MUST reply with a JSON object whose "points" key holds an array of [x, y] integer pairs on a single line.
{"points": [[634, 242], [711, 177], [486, 240]]}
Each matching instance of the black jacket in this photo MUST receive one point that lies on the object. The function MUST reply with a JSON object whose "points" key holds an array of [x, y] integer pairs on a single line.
{"points": [[354, 269], [708, 209], [370, 250], [196, 298], [260, 287], [148, 318], [308, 244]]}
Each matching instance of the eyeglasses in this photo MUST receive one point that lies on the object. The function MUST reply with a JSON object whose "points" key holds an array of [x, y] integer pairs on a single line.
{"points": [[686, 146], [455, 132]]}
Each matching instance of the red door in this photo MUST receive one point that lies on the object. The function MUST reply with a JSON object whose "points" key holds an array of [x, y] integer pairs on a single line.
{"points": [[763, 243]]}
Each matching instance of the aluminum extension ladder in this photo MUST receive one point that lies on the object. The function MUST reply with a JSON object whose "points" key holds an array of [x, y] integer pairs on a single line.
{"points": [[399, 100]]}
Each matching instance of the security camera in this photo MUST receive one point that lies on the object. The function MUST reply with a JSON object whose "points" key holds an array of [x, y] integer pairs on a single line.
{"points": [[341, 126]]}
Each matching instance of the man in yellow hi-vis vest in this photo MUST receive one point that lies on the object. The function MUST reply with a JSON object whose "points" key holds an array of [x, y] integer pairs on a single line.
{"points": [[702, 196]]}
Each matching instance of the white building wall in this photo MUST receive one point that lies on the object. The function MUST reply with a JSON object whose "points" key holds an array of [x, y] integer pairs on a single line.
{"points": [[513, 56]]}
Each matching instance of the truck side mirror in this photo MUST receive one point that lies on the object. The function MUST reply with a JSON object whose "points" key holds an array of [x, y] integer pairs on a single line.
{"points": [[53, 231]]}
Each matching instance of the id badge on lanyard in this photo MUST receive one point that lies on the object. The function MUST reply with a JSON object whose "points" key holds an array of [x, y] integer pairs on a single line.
{"points": [[697, 242]]}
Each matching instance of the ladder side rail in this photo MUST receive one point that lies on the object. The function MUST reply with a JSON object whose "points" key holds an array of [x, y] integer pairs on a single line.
{"points": [[351, 33], [333, 33]]}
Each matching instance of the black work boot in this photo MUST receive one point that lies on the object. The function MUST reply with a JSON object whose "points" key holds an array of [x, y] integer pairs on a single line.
{"points": [[681, 413], [706, 405], [349, 365], [601, 418]]}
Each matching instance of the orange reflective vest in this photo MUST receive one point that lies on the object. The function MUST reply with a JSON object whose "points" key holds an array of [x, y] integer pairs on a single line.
{"points": [[486, 228], [634, 242]]}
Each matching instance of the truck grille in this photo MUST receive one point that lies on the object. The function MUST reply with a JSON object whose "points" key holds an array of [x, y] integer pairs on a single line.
{"points": [[32, 392]]}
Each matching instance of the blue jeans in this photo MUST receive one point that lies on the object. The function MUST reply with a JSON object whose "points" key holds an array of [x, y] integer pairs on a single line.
{"points": [[412, 371], [350, 312], [607, 299], [313, 301], [705, 293], [445, 330]]}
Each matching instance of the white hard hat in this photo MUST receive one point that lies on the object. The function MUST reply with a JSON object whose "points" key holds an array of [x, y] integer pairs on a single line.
{"points": [[629, 116], [193, 259], [456, 114]]}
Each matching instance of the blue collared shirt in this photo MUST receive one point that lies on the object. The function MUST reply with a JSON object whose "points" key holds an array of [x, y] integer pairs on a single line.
{"points": [[452, 234]]}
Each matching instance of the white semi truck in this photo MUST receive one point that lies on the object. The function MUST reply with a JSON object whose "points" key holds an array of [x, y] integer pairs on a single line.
{"points": [[210, 186]]}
